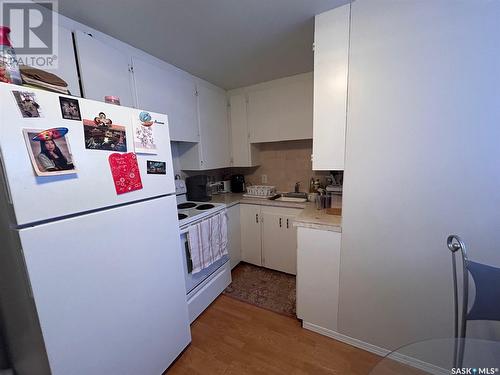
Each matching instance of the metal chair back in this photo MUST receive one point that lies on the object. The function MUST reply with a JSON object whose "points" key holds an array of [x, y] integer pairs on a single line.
{"points": [[486, 305]]}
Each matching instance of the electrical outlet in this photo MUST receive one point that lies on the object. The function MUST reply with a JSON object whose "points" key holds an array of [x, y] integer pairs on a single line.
{"points": [[263, 178]]}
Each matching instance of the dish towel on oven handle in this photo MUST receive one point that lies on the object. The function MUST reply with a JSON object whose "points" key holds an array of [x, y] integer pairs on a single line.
{"points": [[208, 241]]}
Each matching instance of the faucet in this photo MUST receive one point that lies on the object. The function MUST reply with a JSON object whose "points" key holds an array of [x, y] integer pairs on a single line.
{"points": [[297, 187]]}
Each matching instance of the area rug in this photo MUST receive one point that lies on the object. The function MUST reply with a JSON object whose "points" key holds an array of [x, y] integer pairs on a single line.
{"points": [[262, 287]]}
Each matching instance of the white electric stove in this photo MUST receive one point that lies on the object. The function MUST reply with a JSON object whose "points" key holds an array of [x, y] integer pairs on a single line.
{"points": [[189, 212], [202, 287]]}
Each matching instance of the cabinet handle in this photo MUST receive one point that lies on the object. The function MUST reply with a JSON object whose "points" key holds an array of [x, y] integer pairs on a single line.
{"points": [[257, 218], [280, 222], [287, 224]]}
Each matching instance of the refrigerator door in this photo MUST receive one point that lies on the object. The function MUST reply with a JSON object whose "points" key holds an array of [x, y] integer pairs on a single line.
{"points": [[109, 290], [38, 198]]}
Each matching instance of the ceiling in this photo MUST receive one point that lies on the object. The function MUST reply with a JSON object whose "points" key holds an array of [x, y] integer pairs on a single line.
{"points": [[231, 43]]}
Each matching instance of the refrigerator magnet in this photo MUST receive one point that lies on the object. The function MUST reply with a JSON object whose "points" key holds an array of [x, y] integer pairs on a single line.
{"points": [[125, 172], [49, 151], [144, 140], [27, 104], [101, 134], [70, 109], [156, 167]]}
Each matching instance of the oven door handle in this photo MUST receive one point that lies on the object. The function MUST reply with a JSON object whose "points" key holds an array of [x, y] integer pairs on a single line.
{"points": [[189, 260]]}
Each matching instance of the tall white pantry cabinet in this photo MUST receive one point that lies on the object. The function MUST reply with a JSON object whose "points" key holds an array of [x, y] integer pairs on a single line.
{"points": [[331, 58]]}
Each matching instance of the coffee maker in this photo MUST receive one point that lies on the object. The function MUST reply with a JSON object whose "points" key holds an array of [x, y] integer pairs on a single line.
{"points": [[237, 183], [198, 188]]}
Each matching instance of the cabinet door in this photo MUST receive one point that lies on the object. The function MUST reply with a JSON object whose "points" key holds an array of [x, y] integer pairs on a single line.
{"points": [[165, 90], [290, 243], [272, 241], [66, 62], [263, 116], [214, 131], [251, 234], [104, 70], [331, 48], [234, 234], [279, 244], [281, 110], [240, 146], [318, 267]]}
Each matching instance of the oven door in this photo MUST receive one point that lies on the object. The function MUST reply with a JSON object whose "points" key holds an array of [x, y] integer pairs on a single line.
{"points": [[193, 280]]}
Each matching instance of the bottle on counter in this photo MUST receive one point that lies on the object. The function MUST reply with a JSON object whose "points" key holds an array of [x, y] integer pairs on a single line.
{"points": [[311, 186], [317, 185], [9, 66]]}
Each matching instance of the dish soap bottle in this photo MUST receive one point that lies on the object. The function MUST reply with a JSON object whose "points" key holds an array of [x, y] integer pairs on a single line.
{"points": [[9, 66]]}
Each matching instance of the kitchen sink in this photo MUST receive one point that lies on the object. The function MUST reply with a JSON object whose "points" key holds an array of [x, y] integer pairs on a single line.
{"points": [[291, 197]]}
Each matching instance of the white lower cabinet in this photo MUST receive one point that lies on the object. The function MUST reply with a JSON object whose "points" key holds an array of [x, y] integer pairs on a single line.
{"points": [[318, 267], [251, 238], [268, 237], [234, 234], [279, 239]]}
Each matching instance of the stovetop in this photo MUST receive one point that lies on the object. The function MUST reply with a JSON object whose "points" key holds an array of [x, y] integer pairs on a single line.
{"points": [[191, 211]]}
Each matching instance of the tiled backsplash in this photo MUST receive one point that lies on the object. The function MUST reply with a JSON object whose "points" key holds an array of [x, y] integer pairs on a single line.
{"points": [[284, 164]]}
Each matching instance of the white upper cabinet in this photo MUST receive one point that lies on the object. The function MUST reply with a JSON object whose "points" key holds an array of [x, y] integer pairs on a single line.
{"points": [[214, 130], [104, 70], [165, 90], [243, 153], [212, 151], [66, 62], [281, 110], [331, 52]]}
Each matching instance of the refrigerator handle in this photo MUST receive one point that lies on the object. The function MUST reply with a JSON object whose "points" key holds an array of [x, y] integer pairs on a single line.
{"points": [[4, 181], [27, 277]]}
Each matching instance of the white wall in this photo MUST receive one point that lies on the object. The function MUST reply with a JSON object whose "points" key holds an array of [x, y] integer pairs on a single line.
{"points": [[422, 161]]}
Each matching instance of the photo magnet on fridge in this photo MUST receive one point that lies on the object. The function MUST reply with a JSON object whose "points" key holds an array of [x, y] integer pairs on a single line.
{"points": [[156, 167], [70, 109], [27, 104], [49, 151], [125, 172], [101, 134], [144, 140]]}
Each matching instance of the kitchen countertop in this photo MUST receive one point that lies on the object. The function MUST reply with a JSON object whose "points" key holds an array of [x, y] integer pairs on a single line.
{"points": [[312, 218], [230, 199]]}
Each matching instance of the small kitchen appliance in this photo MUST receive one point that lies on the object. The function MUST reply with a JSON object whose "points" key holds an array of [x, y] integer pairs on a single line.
{"points": [[198, 188], [227, 186], [237, 183]]}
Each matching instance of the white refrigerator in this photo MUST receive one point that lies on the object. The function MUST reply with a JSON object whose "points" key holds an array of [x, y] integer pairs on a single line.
{"points": [[91, 281]]}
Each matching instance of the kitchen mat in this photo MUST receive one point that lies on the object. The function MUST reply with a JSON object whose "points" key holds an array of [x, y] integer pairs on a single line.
{"points": [[262, 287]]}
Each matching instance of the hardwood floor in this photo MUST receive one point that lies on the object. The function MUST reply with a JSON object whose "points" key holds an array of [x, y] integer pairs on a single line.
{"points": [[235, 338]]}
